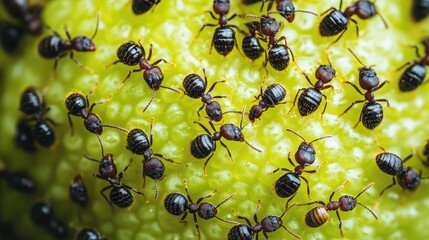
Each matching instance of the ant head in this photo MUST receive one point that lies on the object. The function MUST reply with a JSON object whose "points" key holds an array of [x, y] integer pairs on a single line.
{"points": [[269, 25], [107, 167], [347, 203], [83, 44], [33, 20], [271, 223], [255, 112], [325, 73], [409, 178], [287, 10], [364, 9], [221, 7], [253, 27], [368, 78], [305, 155]]}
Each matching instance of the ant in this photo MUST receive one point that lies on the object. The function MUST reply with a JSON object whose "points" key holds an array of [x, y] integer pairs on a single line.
{"points": [[18, 180], [250, 43], [415, 74], [177, 204], [318, 216], [89, 234], [270, 97], [407, 177], [372, 112], [33, 104], [24, 136], [224, 36], [288, 184], [131, 54], [78, 105], [28, 15], [335, 22], [278, 55], [142, 6], [77, 191], [195, 87], [120, 194], [139, 143], [42, 215], [311, 98], [205, 144], [285, 8], [267, 224], [425, 157], [53, 46], [420, 9], [10, 36]]}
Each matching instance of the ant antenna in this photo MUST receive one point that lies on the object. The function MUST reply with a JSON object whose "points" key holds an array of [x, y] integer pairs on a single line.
{"points": [[96, 26]]}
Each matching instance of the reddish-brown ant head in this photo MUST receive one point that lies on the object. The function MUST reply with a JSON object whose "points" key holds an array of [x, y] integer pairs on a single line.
{"points": [[83, 44], [347, 203], [409, 178], [221, 7], [255, 112], [365, 9], [306, 155], [33, 20], [368, 78], [107, 167], [269, 26], [325, 73], [286, 9]]}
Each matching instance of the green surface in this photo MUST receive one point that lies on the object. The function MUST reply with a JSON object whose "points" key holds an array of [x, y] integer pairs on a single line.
{"points": [[172, 29]]}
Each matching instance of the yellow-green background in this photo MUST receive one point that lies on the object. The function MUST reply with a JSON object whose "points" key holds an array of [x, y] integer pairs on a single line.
{"points": [[172, 29]]}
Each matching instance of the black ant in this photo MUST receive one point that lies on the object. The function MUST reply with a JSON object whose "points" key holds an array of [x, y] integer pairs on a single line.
{"points": [[78, 105], [224, 36], [407, 177], [54, 46], [415, 74], [33, 104], [18, 180], [270, 97], [89, 234], [120, 194], [28, 15], [205, 144], [131, 54], [335, 22], [276, 54], [285, 8], [288, 184], [195, 87], [420, 9], [77, 191], [318, 216], [139, 143], [267, 224], [250, 43], [142, 6], [10, 36], [372, 112], [177, 204], [311, 98]]}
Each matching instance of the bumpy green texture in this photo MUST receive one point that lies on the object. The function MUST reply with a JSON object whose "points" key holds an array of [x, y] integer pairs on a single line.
{"points": [[172, 29]]}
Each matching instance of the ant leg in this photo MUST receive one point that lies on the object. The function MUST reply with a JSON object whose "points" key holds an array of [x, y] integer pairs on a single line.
{"points": [[101, 144], [290, 199], [227, 149], [105, 197], [308, 187], [408, 157], [379, 86], [353, 103], [212, 15], [205, 164], [338, 189], [280, 169], [150, 101], [294, 100], [137, 192], [324, 107], [355, 87], [158, 61], [166, 159], [199, 110], [357, 27], [197, 226], [214, 84], [115, 62], [91, 159], [336, 40], [128, 76], [406, 64], [417, 50], [330, 9], [79, 63], [121, 174], [245, 219], [383, 100], [341, 223], [203, 127], [57, 58], [182, 220], [288, 156], [205, 25], [70, 123]]}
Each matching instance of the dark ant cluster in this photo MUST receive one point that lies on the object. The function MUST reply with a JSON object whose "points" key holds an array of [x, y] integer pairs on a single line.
{"points": [[36, 126]]}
